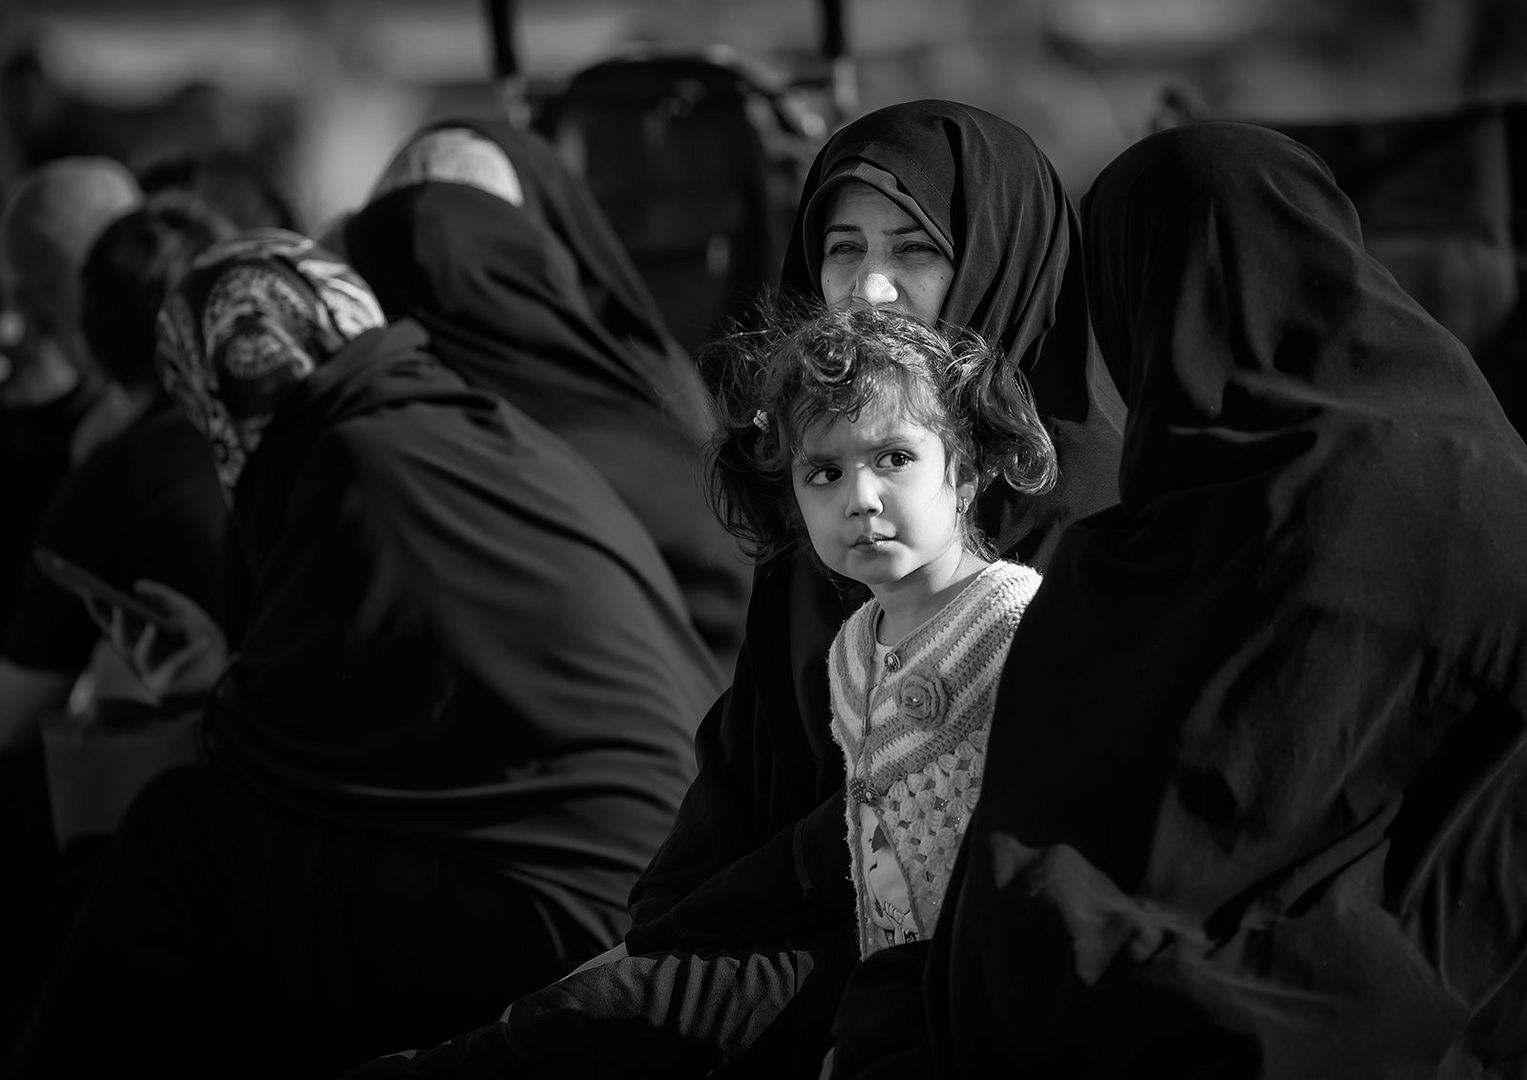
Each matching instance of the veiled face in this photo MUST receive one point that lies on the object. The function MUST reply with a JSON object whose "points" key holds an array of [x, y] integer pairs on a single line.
{"points": [[874, 253]]}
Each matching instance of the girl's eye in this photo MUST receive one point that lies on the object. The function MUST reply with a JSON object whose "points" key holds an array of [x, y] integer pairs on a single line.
{"points": [[895, 459], [821, 477]]}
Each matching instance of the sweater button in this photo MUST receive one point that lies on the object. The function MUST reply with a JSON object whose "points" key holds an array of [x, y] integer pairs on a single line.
{"points": [[892, 662]]}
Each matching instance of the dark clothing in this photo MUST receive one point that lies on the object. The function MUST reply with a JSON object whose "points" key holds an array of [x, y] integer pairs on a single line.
{"points": [[540, 304], [147, 504], [758, 858], [463, 706], [224, 931], [35, 442], [1257, 785], [456, 634]]}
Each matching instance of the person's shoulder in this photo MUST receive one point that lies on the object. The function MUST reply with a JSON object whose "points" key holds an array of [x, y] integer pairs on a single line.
{"points": [[1008, 586], [1013, 577]]}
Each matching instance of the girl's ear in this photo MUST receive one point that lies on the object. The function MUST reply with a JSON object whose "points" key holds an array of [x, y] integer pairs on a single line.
{"points": [[965, 483], [964, 477]]}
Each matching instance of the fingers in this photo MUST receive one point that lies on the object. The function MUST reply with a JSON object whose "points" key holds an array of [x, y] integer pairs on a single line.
{"points": [[99, 614], [143, 650], [181, 608], [171, 671]]}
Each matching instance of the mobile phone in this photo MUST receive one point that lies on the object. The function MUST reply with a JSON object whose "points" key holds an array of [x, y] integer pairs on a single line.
{"points": [[88, 586]]}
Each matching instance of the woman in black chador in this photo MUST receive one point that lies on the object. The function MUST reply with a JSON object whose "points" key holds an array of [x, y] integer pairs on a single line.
{"points": [[477, 231], [455, 723], [1256, 791]]}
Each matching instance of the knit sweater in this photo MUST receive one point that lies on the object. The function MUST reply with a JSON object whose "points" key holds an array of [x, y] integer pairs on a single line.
{"points": [[915, 745]]}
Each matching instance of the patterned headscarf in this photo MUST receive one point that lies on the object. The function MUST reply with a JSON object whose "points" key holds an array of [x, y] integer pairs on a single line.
{"points": [[253, 317]]}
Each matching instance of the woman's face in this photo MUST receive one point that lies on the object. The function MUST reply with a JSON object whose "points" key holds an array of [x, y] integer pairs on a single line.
{"points": [[874, 253]]}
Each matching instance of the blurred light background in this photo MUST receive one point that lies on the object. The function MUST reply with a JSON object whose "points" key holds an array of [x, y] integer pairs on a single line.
{"points": [[1419, 105], [327, 88]]}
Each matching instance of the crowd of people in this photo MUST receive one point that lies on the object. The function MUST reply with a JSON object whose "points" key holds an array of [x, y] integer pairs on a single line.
{"points": [[1074, 643]]}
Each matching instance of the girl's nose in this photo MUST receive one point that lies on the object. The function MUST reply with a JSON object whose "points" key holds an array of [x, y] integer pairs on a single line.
{"points": [[863, 495], [875, 288]]}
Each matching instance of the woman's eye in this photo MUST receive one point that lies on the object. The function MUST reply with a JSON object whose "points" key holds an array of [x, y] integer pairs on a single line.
{"points": [[842, 249]]}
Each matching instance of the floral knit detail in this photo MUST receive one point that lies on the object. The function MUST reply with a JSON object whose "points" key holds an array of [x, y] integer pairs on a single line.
{"points": [[915, 744]]}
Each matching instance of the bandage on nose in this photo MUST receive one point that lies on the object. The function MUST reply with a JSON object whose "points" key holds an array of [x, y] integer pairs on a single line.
{"points": [[878, 289]]}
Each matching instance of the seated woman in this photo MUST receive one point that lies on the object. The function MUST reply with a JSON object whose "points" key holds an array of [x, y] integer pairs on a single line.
{"points": [[478, 231], [1256, 790], [744, 925], [456, 725]]}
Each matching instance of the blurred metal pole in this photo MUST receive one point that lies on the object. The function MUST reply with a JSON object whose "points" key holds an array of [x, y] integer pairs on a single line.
{"points": [[844, 78], [508, 79]]}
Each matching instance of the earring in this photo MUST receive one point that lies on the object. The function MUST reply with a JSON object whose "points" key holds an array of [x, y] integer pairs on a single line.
{"points": [[959, 507]]}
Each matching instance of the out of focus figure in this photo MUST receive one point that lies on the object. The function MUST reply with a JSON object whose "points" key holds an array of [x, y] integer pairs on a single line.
{"points": [[478, 231], [51, 217], [232, 183], [145, 503]]}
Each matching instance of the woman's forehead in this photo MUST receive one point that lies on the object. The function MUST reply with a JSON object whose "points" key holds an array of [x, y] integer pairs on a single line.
{"points": [[857, 204]]}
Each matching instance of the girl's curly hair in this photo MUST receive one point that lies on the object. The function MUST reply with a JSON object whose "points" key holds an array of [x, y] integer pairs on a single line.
{"points": [[803, 362]]}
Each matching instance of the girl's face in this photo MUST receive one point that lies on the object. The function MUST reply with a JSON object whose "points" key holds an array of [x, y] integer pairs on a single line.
{"points": [[873, 252], [878, 498]]}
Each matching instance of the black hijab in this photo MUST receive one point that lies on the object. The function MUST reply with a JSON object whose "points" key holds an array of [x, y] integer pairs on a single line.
{"points": [[1257, 786], [989, 195], [539, 303]]}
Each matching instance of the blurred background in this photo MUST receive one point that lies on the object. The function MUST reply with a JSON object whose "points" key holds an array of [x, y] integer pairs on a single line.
{"points": [[693, 119]]}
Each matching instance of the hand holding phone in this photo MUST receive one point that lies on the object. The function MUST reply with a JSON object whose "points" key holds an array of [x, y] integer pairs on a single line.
{"points": [[100, 593], [175, 647]]}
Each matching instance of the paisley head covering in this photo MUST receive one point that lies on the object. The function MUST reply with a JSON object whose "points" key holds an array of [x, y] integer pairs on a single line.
{"points": [[253, 317]]}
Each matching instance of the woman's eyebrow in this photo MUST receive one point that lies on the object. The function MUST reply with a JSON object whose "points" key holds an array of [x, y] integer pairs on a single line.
{"points": [[900, 230]]}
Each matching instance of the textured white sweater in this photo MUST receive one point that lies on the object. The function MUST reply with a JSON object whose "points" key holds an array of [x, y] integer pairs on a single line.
{"points": [[915, 744]]}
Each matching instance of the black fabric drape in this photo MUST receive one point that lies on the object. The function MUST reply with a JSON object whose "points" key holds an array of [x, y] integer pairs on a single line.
{"points": [[1256, 791], [456, 631], [540, 304], [458, 722]]}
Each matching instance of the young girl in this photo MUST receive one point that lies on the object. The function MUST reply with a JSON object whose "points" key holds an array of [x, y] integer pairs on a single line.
{"points": [[873, 435]]}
